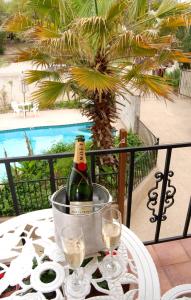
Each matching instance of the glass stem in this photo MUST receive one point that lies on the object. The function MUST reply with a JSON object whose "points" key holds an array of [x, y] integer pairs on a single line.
{"points": [[76, 281], [111, 259], [111, 254]]}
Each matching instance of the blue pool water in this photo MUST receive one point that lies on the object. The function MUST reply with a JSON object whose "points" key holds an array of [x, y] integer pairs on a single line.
{"points": [[41, 138]]}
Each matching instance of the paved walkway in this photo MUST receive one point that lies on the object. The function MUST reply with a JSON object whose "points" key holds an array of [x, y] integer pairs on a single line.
{"points": [[171, 122]]}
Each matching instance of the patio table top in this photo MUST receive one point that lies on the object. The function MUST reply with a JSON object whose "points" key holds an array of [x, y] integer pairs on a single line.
{"points": [[31, 236]]}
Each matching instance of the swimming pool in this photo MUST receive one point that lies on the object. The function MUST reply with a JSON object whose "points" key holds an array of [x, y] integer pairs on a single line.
{"points": [[41, 138]]}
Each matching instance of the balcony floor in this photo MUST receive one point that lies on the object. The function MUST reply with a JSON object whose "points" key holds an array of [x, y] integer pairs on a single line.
{"points": [[173, 262]]}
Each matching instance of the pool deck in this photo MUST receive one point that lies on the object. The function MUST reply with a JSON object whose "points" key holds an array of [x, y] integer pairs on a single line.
{"points": [[45, 118]]}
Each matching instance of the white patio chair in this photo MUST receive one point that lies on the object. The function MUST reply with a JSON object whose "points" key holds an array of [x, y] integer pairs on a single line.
{"points": [[35, 108], [179, 292], [16, 108]]}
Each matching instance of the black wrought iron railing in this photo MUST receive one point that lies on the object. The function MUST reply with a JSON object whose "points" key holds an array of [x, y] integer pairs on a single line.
{"points": [[30, 194], [146, 160], [146, 135]]}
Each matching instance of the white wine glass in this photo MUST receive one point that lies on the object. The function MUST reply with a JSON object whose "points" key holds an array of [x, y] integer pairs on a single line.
{"points": [[111, 266], [72, 238]]}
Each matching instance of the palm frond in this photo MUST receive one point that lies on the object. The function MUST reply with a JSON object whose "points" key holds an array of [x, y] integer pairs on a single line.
{"points": [[115, 10], [146, 83], [171, 8], [48, 92], [67, 12], [161, 42], [34, 55], [154, 19], [43, 33], [164, 57], [102, 7], [137, 9], [129, 44], [178, 21], [92, 80], [181, 57], [85, 8], [95, 25], [46, 9], [44, 6], [68, 42], [138, 77], [57, 12], [156, 84], [37, 75], [17, 23]]}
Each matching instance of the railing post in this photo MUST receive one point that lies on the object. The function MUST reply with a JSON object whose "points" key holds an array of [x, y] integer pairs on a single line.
{"points": [[156, 152], [92, 156], [187, 222], [130, 188], [163, 193], [122, 172], [12, 188], [52, 177]]}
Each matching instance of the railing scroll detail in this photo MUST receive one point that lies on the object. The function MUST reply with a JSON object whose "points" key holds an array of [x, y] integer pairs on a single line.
{"points": [[153, 195]]}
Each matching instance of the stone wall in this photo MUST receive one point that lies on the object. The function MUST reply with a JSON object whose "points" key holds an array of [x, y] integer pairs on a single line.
{"points": [[185, 83], [129, 111]]}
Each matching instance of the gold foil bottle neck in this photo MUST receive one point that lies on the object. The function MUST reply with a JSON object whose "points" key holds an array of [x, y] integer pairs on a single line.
{"points": [[79, 156]]}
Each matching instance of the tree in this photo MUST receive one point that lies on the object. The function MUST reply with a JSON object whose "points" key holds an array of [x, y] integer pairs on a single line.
{"points": [[184, 36], [3, 96], [97, 50], [7, 8], [2, 10]]}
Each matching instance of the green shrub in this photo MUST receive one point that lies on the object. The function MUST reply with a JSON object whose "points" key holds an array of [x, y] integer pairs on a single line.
{"points": [[66, 104], [133, 140], [173, 77], [62, 166]]}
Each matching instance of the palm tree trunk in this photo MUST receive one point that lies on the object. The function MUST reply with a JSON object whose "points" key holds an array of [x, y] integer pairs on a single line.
{"points": [[102, 112]]}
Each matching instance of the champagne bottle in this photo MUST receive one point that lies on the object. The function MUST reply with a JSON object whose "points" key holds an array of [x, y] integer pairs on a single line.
{"points": [[79, 186]]}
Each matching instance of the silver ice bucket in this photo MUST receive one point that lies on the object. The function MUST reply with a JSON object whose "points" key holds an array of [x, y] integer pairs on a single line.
{"points": [[91, 223]]}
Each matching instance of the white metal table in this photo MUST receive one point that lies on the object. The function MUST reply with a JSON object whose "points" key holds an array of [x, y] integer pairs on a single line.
{"points": [[27, 240]]}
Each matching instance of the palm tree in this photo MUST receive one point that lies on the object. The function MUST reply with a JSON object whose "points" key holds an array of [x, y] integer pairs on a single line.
{"points": [[98, 49]]}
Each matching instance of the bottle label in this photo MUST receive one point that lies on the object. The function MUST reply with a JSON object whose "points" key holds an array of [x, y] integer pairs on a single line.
{"points": [[80, 208]]}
